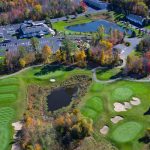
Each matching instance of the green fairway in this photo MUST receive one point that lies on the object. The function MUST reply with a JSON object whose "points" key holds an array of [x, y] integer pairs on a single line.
{"points": [[126, 132], [106, 74], [9, 89], [9, 81], [4, 137], [122, 94], [93, 108], [6, 115], [8, 98], [96, 87]]}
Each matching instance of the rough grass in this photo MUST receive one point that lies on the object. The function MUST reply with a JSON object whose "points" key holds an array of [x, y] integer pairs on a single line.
{"points": [[93, 108], [126, 132], [122, 94]]}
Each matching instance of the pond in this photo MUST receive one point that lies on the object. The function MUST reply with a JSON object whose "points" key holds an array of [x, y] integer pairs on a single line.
{"points": [[93, 26], [60, 97]]}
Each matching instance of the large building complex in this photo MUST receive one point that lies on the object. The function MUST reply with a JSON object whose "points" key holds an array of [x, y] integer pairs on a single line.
{"points": [[30, 29]]}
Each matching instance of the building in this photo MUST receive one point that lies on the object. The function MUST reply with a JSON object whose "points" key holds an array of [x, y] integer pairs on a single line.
{"points": [[30, 29], [138, 20], [96, 4]]}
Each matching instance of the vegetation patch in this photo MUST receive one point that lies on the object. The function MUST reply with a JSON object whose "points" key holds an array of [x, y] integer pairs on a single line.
{"points": [[126, 132], [122, 94]]}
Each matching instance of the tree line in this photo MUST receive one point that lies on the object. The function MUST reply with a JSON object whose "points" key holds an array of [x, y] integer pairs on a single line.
{"points": [[14, 11]]}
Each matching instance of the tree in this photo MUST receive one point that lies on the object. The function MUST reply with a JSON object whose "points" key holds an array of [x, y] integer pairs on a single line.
{"points": [[35, 44], [101, 32], [22, 62], [46, 53], [58, 55]]}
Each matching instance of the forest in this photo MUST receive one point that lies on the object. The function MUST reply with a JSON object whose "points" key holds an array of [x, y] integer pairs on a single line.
{"points": [[13, 11]]}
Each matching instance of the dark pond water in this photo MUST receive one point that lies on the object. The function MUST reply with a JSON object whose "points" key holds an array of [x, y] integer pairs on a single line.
{"points": [[93, 26], [60, 97]]}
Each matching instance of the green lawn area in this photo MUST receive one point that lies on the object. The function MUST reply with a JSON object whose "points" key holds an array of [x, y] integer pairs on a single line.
{"points": [[106, 74], [61, 25], [147, 27]]}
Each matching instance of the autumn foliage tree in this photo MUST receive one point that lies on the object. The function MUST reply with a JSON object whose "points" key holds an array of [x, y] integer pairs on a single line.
{"points": [[46, 53], [72, 127]]}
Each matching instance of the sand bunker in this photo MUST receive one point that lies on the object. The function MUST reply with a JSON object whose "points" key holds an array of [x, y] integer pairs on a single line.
{"points": [[17, 126], [135, 101], [116, 119], [127, 105], [104, 130], [52, 80], [119, 107]]}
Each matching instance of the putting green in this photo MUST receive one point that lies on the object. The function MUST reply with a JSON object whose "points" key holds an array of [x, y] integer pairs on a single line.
{"points": [[126, 132], [6, 115], [8, 97], [122, 94], [4, 137]]}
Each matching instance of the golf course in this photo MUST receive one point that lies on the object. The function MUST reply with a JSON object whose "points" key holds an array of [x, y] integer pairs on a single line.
{"points": [[97, 105]]}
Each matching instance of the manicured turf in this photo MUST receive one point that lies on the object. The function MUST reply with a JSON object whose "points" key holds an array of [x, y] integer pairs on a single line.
{"points": [[92, 108], [122, 94], [9, 81], [7, 98], [4, 137], [96, 87], [126, 132], [106, 74], [6, 115], [9, 89], [61, 25]]}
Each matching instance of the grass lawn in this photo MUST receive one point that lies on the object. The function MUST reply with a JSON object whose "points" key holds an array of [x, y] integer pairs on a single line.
{"points": [[106, 74], [61, 25], [147, 27]]}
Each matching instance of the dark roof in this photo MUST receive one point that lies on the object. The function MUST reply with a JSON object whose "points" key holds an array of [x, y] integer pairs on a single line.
{"points": [[97, 3], [30, 28], [136, 19]]}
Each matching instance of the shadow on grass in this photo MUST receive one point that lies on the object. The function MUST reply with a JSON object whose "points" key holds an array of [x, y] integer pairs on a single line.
{"points": [[54, 67]]}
